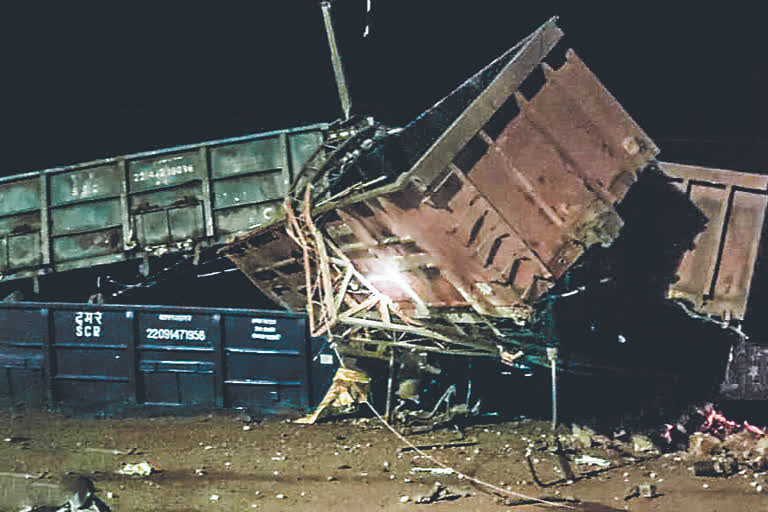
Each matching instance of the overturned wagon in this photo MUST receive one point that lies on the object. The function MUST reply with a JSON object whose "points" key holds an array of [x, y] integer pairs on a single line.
{"points": [[442, 235], [448, 235]]}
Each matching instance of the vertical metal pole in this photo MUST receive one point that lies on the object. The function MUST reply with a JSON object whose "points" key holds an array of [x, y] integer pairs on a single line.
{"points": [[388, 409], [341, 83], [45, 221], [220, 375], [552, 356], [133, 358], [125, 212], [207, 190], [49, 356]]}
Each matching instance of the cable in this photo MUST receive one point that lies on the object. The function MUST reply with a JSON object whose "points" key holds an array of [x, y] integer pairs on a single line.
{"points": [[442, 464], [459, 473]]}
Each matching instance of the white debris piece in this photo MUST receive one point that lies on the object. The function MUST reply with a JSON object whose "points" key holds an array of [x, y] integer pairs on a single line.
{"points": [[592, 461], [434, 471], [139, 469]]}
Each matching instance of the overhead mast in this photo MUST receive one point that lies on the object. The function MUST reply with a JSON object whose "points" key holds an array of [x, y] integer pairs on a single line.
{"points": [[341, 83]]}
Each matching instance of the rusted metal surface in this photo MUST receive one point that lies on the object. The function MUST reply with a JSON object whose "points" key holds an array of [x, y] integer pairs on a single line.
{"points": [[494, 210], [715, 277], [561, 164], [163, 201]]}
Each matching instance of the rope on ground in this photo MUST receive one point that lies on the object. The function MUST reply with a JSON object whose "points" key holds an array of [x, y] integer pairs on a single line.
{"points": [[459, 473]]}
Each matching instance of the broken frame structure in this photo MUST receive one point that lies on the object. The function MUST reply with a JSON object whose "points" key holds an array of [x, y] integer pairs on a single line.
{"points": [[442, 236]]}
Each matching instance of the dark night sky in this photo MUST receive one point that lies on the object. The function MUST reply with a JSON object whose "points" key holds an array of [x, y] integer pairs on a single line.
{"points": [[83, 81]]}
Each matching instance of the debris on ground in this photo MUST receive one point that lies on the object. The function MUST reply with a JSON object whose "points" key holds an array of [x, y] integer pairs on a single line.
{"points": [[719, 466], [140, 469], [643, 491], [702, 444], [439, 493], [581, 437], [348, 389], [647, 490], [433, 471], [722, 446], [643, 445], [591, 461]]}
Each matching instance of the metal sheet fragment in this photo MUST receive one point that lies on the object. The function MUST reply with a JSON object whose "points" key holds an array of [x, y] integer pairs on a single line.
{"points": [[716, 275]]}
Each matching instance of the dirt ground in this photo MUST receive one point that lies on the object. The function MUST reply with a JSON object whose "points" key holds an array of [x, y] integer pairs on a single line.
{"points": [[222, 462]]}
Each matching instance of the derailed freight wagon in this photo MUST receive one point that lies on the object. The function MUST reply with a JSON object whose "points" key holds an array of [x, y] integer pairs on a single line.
{"points": [[446, 235], [473, 210], [137, 206]]}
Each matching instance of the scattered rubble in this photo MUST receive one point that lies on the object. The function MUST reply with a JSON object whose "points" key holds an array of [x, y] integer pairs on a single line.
{"points": [[592, 461], [722, 446], [439, 493], [581, 437], [720, 466], [701, 444], [642, 490], [643, 445], [140, 469]]}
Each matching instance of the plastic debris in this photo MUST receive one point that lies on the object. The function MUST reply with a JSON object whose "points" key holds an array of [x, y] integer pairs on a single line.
{"points": [[592, 461], [141, 469]]}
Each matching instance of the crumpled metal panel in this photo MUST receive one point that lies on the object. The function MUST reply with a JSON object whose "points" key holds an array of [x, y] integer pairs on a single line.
{"points": [[477, 222], [272, 262], [461, 254], [558, 167], [715, 276]]}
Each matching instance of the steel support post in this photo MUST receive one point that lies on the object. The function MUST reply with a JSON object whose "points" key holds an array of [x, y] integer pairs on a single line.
{"points": [[552, 356]]}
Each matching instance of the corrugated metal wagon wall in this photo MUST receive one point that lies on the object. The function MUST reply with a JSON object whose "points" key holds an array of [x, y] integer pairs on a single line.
{"points": [[104, 357], [148, 203]]}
